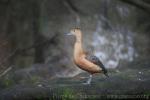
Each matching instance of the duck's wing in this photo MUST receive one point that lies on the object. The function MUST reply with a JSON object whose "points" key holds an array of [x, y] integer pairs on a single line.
{"points": [[96, 61]]}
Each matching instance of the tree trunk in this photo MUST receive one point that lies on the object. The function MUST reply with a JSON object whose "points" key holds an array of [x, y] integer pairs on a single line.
{"points": [[39, 58]]}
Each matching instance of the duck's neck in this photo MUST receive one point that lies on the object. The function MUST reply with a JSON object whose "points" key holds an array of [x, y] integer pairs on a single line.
{"points": [[78, 49]]}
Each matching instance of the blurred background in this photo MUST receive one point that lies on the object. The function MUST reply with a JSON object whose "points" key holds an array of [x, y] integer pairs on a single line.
{"points": [[36, 55]]}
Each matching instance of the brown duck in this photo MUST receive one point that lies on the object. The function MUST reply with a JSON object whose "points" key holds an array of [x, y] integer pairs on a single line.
{"points": [[83, 60]]}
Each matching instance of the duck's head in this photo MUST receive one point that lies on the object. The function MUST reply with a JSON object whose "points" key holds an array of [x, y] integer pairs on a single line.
{"points": [[75, 32]]}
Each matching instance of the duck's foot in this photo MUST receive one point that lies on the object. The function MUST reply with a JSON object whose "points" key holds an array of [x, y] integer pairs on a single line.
{"points": [[88, 81]]}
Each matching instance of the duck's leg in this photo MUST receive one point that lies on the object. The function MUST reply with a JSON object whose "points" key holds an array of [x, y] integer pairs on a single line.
{"points": [[89, 80]]}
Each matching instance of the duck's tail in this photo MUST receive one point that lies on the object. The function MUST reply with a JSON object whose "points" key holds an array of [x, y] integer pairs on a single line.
{"points": [[104, 70]]}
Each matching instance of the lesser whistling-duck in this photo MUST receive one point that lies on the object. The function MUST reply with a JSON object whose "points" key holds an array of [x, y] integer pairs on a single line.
{"points": [[83, 60]]}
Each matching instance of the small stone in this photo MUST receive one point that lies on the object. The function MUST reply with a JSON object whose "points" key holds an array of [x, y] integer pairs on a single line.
{"points": [[39, 85], [140, 72], [139, 79]]}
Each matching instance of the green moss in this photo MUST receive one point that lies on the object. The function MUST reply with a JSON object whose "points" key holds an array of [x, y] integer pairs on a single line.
{"points": [[34, 79], [68, 94], [8, 82], [30, 80], [147, 93]]}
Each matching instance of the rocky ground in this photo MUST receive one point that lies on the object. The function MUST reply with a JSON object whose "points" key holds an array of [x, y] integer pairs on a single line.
{"points": [[129, 82]]}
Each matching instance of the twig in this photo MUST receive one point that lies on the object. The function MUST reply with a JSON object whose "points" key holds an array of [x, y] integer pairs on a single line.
{"points": [[6, 71], [73, 10], [8, 57], [139, 4], [38, 44], [71, 7]]}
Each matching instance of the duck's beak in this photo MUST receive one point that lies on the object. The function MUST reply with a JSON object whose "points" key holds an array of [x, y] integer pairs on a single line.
{"points": [[68, 33]]}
